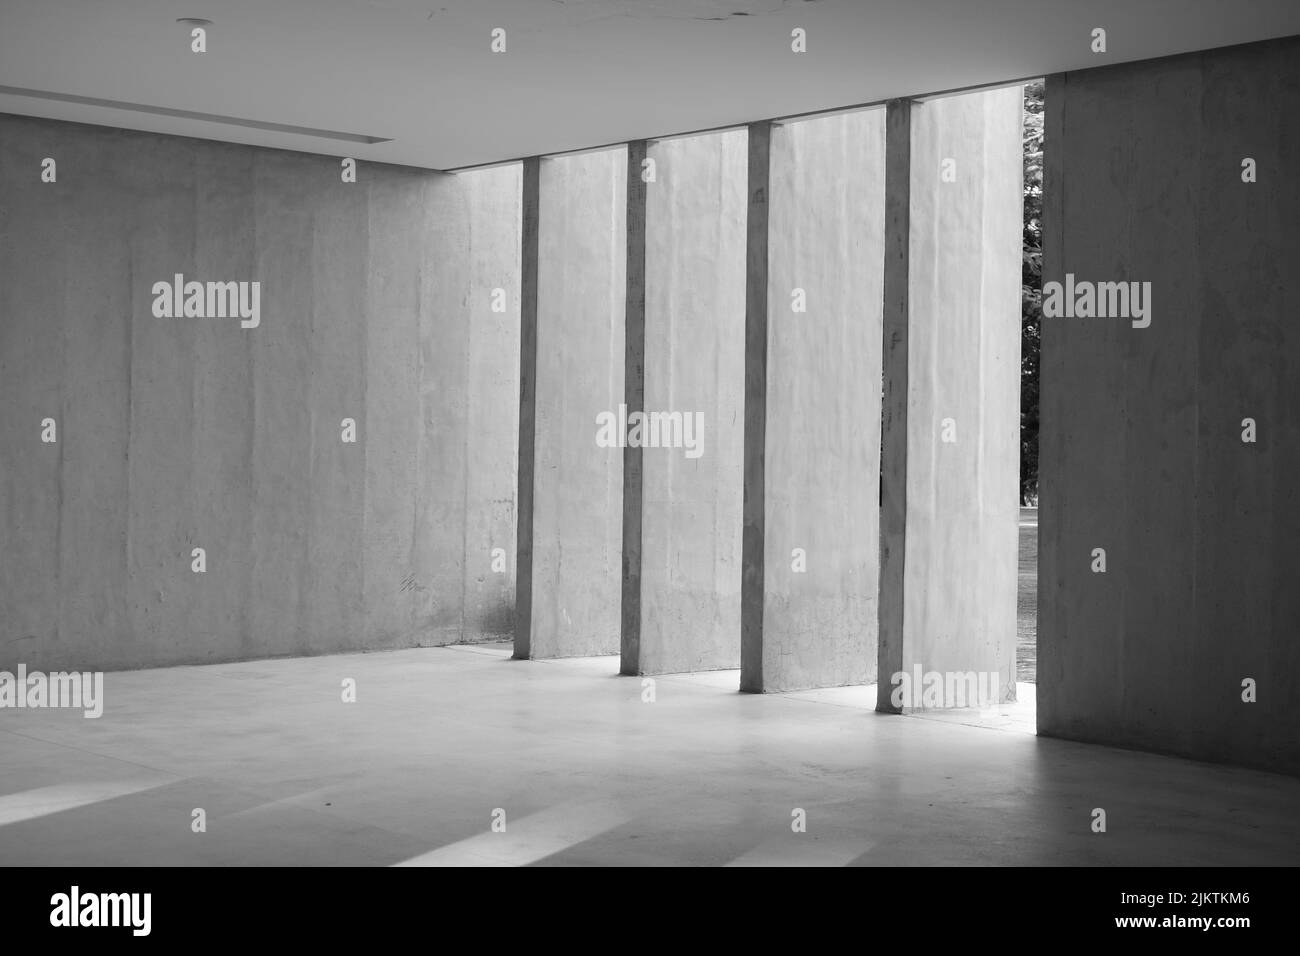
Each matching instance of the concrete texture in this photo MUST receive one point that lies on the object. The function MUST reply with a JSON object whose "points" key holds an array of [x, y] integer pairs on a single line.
{"points": [[1141, 448], [489, 201], [587, 774], [465, 496], [895, 324], [821, 448], [577, 485], [694, 362], [177, 433], [633, 398], [526, 471], [753, 578], [963, 366]]}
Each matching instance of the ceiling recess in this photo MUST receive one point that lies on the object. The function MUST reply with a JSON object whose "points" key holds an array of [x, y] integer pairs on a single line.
{"points": [[192, 115]]}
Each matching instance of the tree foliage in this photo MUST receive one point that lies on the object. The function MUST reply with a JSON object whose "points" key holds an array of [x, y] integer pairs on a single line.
{"points": [[1031, 291]]}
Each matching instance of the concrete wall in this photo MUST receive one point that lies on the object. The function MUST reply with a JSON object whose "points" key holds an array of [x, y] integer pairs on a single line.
{"points": [[468, 408], [963, 263], [1141, 451], [577, 486], [694, 362], [177, 433], [821, 457]]}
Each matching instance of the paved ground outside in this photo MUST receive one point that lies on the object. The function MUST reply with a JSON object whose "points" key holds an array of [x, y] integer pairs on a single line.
{"points": [[1027, 598]]}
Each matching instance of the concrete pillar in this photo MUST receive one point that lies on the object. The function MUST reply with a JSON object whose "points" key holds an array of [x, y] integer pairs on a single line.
{"points": [[1184, 640], [754, 503], [633, 398], [570, 548], [955, 483], [530, 195], [694, 281], [813, 432], [894, 396]]}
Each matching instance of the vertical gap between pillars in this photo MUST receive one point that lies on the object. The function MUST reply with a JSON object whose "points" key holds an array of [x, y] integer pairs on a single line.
{"points": [[1049, 630]]}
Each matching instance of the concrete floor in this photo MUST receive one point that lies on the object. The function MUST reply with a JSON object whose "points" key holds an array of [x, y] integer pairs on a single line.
{"points": [[587, 774]]}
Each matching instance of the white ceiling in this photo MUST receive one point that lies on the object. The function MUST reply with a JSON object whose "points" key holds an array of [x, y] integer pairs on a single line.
{"points": [[576, 73]]}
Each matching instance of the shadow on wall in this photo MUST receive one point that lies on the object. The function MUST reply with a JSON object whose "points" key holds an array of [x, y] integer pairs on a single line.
{"points": [[496, 623]]}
